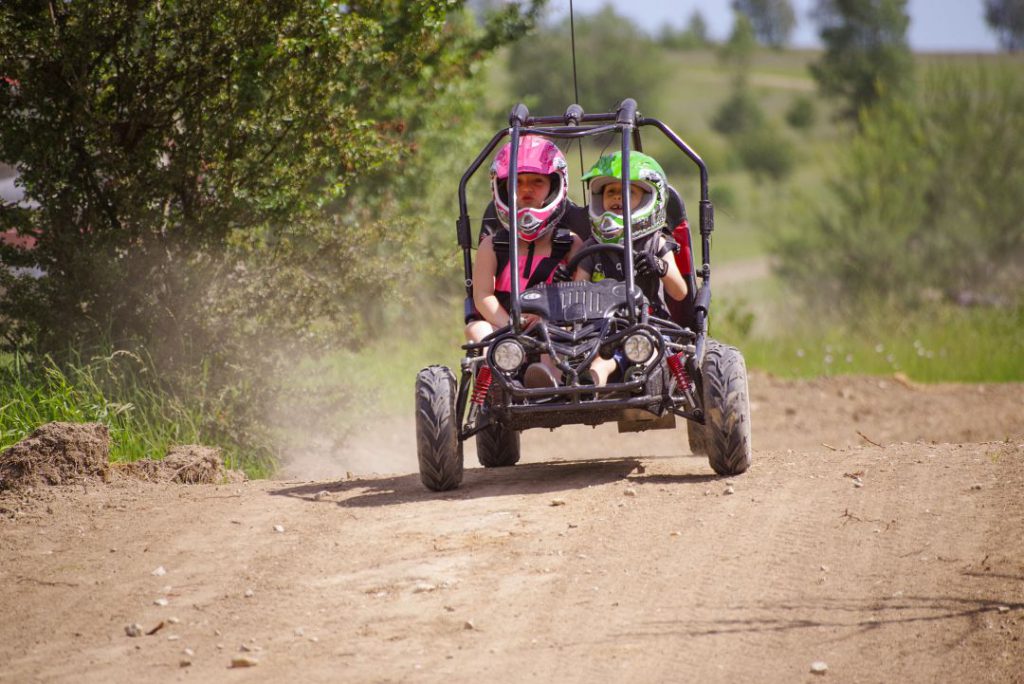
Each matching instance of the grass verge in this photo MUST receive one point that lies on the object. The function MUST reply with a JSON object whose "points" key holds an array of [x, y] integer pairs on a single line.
{"points": [[941, 344], [118, 391]]}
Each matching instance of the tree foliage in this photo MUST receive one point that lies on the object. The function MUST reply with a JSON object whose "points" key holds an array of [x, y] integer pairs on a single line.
{"points": [[1006, 17], [615, 60], [773, 21], [738, 51], [866, 56], [693, 37], [212, 181], [927, 203]]}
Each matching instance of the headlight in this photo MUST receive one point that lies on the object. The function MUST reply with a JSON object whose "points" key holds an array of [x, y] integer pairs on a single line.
{"points": [[638, 348], [508, 355]]}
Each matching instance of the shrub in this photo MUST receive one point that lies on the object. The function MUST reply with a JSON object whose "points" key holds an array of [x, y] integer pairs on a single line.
{"points": [[766, 153], [801, 113], [739, 114], [927, 201]]}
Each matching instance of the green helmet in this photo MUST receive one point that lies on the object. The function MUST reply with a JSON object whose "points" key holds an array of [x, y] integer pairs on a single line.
{"points": [[648, 217]]}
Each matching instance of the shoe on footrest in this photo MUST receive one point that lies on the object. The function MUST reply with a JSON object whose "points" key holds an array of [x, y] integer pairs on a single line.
{"points": [[538, 375]]}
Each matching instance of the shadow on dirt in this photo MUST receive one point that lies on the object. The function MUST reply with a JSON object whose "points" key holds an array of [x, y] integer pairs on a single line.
{"points": [[531, 478], [877, 614]]}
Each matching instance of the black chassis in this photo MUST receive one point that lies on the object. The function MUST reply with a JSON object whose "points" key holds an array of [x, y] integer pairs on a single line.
{"points": [[580, 320]]}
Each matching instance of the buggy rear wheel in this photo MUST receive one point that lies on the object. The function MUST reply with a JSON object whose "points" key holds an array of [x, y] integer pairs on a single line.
{"points": [[695, 436], [726, 409], [437, 440], [497, 446]]}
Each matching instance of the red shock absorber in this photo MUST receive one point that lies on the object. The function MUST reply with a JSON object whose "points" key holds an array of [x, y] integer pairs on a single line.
{"points": [[481, 384], [677, 365]]}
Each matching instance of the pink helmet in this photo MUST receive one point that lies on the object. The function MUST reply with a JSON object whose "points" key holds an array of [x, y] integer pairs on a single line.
{"points": [[536, 155]]}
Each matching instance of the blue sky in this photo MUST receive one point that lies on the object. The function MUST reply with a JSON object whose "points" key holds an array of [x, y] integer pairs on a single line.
{"points": [[935, 25]]}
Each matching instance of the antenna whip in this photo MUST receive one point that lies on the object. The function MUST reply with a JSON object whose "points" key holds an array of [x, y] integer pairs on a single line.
{"points": [[576, 89]]}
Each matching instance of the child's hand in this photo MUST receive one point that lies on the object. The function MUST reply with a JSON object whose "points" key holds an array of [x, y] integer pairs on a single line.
{"points": [[647, 263], [561, 274]]}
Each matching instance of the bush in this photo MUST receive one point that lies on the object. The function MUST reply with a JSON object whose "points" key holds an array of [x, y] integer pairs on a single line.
{"points": [[802, 113], [766, 153], [927, 203], [739, 114], [213, 185]]}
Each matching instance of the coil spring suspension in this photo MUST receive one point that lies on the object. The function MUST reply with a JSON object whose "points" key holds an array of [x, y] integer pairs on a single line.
{"points": [[677, 364], [481, 384]]}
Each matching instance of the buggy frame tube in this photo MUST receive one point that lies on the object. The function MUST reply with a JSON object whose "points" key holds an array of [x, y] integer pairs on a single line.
{"points": [[513, 209], [465, 232], [626, 116], [707, 226]]}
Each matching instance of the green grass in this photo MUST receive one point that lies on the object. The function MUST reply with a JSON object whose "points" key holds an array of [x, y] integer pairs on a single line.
{"points": [[943, 344], [114, 390]]}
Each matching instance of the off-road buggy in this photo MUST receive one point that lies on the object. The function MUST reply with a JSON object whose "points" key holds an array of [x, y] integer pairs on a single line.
{"points": [[673, 369]]}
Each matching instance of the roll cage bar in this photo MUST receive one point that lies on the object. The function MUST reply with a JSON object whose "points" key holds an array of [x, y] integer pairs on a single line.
{"points": [[575, 123]]}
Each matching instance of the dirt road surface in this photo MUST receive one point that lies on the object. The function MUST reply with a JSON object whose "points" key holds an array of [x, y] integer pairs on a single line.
{"points": [[880, 532]]}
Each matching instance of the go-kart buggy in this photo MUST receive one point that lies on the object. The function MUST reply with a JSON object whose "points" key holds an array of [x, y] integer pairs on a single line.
{"points": [[672, 368]]}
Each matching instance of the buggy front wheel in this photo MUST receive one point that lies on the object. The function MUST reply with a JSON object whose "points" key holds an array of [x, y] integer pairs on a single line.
{"points": [[437, 441], [497, 446], [726, 409]]}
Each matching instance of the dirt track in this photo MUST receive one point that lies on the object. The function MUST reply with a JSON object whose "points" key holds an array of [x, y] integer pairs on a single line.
{"points": [[880, 530]]}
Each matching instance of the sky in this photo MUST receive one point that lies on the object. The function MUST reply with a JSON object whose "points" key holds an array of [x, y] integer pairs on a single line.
{"points": [[935, 25]]}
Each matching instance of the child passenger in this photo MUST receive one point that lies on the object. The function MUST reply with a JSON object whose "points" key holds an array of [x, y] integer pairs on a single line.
{"points": [[544, 244], [656, 270]]}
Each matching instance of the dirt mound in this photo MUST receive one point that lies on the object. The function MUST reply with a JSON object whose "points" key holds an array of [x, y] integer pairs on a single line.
{"points": [[188, 464], [56, 454]]}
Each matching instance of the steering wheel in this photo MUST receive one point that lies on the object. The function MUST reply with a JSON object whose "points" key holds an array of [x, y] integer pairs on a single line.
{"points": [[593, 249]]}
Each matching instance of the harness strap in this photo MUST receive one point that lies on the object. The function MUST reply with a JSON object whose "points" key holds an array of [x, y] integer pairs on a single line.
{"points": [[561, 243]]}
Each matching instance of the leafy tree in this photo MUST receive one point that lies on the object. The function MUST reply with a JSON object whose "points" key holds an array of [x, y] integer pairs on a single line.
{"points": [[697, 29], [212, 181], [614, 59], [772, 20], [866, 54], [738, 50], [1006, 17], [927, 201], [693, 37]]}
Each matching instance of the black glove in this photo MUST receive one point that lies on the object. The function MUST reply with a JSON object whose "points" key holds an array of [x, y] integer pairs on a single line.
{"points": [[561, 274], [647, 264]]}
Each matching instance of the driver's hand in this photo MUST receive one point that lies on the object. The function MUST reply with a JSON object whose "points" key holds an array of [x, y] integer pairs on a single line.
{"points": [[561, 274], [647, 263]]}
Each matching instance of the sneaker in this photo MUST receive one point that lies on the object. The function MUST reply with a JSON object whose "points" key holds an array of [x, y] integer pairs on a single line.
{"points": [[538, 375]]}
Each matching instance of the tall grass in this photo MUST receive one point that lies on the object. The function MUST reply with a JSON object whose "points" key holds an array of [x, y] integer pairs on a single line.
{"points": [[118, 390]]}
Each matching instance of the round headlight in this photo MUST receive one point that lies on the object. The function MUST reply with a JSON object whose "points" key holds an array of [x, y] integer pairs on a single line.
{"points": [[638, 348], [508, 355]]}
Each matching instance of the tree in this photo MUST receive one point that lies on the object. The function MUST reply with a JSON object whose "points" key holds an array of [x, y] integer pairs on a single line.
{"points": [[693, 37], [866, 54], [1006, 18], [738, 50], [211, 181], [615, 60], [772, 20], [697, 29]]}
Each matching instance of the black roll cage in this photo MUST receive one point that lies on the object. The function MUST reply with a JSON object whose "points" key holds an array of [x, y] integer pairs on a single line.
{"points": [[575, 123]]}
